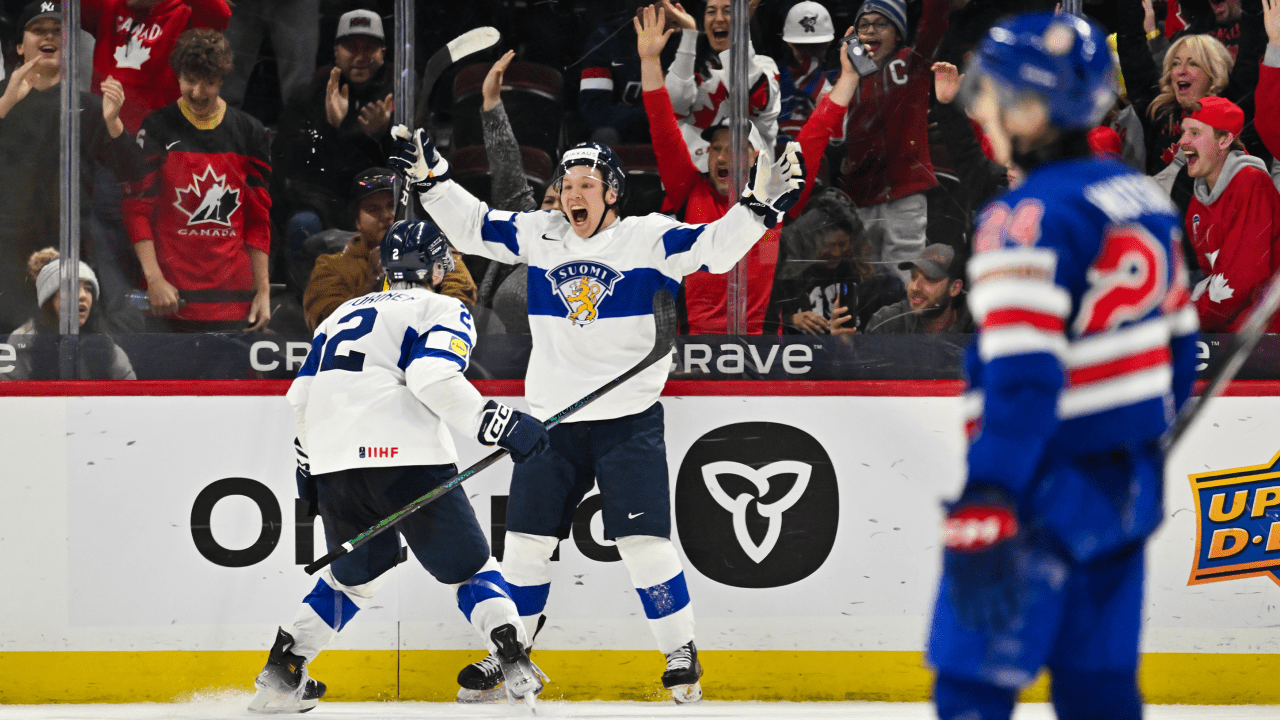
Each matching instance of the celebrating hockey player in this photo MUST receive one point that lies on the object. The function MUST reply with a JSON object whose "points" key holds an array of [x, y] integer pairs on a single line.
{"points": [[1085, 347], [592, 277], [406, 349]]}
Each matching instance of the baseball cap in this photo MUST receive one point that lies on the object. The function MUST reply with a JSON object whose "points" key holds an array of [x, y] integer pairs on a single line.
{"points": [[1219, 114], [38, 11], [370, 182], [753, 134], [934, 261], [360, 22]]}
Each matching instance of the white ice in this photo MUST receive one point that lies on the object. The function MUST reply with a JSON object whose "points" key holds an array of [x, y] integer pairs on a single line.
{"points": [[231, 704]]}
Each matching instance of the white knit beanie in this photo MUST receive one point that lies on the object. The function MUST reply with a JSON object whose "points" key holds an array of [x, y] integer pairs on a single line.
{"points": [[47, 282]]}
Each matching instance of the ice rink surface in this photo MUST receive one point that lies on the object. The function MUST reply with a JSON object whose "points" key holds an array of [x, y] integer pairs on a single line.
{"points": [[232, 705]]}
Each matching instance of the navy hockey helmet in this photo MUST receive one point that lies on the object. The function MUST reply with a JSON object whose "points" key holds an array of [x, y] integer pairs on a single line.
{"points": [[1062, 59], [416, 251], [599, 157]]}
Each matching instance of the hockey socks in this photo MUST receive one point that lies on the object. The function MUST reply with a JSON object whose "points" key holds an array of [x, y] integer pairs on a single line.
{"points": [[326, 610], [485, 600], [526, 564], [658, 578]]}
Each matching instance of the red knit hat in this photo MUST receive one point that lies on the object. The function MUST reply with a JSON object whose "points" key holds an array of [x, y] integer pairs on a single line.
{"points": [[1219, 114]]}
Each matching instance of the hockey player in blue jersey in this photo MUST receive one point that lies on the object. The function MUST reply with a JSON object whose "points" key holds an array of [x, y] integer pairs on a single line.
{"points": [[591, 280], [1085, 349], [401, 353]]}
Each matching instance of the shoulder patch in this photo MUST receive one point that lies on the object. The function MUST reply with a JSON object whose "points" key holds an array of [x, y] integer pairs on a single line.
{"points": [[457, 347]]}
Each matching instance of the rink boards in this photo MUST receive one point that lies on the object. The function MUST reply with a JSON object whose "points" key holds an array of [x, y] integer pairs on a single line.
{"points": [[152, 544]]}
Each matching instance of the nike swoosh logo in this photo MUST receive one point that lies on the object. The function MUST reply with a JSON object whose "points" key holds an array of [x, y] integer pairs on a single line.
{"points": [[544, 237], [175, 142], [631, 516]]}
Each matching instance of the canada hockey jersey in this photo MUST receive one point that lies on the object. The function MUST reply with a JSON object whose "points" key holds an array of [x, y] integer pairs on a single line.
{"points": [[204, 204], [133, 46], [1085, 344], [358, 399], [591, 301]]}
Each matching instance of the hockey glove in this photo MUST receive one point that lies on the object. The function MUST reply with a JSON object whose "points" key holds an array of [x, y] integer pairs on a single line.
{"points": [[416, 158], [522, 434], [981, 535], [774, 189]]}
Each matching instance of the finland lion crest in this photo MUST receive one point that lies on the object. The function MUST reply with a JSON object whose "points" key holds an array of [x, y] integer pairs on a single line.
{"points": [[583, 285]]}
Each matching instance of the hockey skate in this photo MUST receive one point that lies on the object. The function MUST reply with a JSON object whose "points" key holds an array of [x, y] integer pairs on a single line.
{"points": [[522, 679], [681, 676], [283, 685], [481, 682]]}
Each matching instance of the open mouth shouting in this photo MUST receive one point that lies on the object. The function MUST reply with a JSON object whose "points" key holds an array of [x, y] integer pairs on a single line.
{"points": [[578, 215], [1193, 158]]}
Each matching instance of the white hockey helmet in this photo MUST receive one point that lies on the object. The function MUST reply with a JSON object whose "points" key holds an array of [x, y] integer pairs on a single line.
{"points": [[808, 22]]}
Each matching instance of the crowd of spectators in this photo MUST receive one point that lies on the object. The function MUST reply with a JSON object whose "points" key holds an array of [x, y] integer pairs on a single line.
{"points": [[233, 153]]}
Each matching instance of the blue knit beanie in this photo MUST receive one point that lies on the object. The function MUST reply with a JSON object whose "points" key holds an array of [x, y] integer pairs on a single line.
{"points": [[895, 11]]}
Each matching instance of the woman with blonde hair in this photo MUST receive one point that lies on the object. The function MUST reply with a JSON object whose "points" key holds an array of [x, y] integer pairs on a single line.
{"points": [[1195, 67]]}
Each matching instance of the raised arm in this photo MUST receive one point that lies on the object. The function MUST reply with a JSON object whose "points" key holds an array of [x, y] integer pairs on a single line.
{"points": [[510, 189], [678, 173]]}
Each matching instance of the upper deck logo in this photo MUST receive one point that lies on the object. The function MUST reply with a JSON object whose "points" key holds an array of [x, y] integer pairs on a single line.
{"points": [[1237, 523], [583, 285]]}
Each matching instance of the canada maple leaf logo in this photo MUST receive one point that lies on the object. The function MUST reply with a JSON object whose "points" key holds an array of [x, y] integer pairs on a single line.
{"points": [[133, 53], [208, 199], [705, 115]]}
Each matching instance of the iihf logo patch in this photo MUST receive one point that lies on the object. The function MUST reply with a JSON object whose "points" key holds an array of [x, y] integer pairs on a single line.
{"points": [[208, 199], [1237, 524], [583, 285]]}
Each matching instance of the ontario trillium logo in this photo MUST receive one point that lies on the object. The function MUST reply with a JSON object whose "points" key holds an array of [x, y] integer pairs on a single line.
{"points": [[208, 199], [757, 505], [1237, 523]]}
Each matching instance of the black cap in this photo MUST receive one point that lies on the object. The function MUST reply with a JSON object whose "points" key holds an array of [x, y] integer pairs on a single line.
{"points": [[934, 261], [37, 11], [373, 180]]}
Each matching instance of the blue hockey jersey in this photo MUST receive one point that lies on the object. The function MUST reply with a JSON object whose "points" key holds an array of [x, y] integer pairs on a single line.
{"points": [[1085, 344]]}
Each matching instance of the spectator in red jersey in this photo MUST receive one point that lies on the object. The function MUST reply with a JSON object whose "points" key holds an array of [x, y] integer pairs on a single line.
{"points": [[698, 81], [199, 221], [804, 79], [887, 168], [705, 197], [1233, 220], [134, 40], [30, 122]]}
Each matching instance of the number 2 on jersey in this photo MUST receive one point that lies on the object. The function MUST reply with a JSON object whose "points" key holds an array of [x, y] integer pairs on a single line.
{"points": [[1128, 280], [352, 361]]}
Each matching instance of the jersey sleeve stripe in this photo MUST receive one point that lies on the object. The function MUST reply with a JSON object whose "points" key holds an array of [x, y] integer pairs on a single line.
{"points": [[1019, 340], [1010, 317], [604, 84], [1030, 262], [501, 231], [426, 352], [1115, 393], [596, 73], [1090, 374], [312, 363], [406, 348], [1032, 295], [1184, 322], [1094, 349], [680, 239]]}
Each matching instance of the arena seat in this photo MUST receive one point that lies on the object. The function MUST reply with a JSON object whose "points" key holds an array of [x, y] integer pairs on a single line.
{"points": [[532, 94]]}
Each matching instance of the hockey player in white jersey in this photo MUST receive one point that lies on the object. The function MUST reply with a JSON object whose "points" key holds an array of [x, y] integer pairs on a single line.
{"points": [[383, 377], [591, 280]]}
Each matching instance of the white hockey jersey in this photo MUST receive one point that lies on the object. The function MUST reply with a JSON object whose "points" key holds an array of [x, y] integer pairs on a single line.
{"points": [[358, 398], [591, 301]]}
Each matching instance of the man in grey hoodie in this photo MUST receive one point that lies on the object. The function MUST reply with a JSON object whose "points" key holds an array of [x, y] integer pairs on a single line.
{"points": [[1233, 219]]}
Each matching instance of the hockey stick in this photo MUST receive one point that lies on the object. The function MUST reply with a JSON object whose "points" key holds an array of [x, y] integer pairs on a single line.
{"points": [[664, 318], [468, 43], [1242, 345]]}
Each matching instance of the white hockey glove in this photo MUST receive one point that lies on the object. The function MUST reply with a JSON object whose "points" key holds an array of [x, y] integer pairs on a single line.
{"points": [[416, 158], [772, 190]]}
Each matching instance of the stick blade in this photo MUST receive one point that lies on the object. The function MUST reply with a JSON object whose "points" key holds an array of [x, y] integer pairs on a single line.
{"points": [[472, 41]]}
